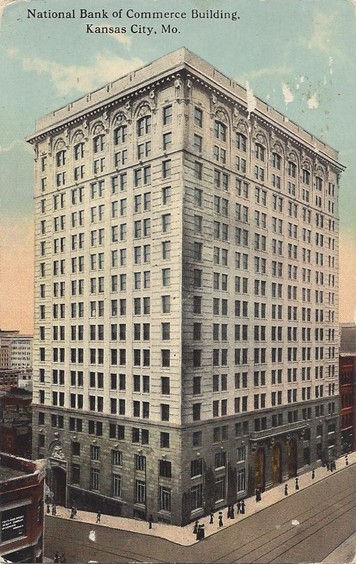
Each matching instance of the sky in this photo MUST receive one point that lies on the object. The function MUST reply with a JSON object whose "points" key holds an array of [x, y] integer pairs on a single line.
{"points": [[297, 55]]}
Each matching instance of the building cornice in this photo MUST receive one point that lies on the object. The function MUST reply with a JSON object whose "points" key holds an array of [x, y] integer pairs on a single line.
{"points": [[133, 86]]}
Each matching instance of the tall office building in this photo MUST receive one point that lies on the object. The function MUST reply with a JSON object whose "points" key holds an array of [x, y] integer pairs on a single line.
{"points": [[186, 344]]}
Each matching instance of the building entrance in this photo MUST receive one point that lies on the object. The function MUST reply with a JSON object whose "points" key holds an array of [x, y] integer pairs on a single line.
{"points": [[59, 483], [260, 469], [292, 458], [276, 461]]}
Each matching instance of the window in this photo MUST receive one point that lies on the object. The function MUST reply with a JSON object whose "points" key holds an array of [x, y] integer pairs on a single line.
{"points": [[196, 467], [167, 140], [116, 457], [95, 479], [241, 480], [165, 468], [120, 134], [94, 452], [259, 152], [166, 222], [164, 440], [140, 462], [165, 498], [140, 491], [166, 304], [276, 161], [241, 142], [167, 115], [198, 142], [196, 411], [220, 459], [166, 357], [116, 485], [198, 117], [98, 143], [220, 130], [166, 168], [196, 497], [164, 412], [219, 488], [144, 126]]}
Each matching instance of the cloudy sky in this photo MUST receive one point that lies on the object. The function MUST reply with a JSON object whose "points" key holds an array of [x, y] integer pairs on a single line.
{"points": [[298, 55]]}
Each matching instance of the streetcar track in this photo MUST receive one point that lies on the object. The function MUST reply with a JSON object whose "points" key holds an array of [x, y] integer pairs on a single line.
{"points": [[130, 555], [300, 532], [309, 535], [321, 508]]}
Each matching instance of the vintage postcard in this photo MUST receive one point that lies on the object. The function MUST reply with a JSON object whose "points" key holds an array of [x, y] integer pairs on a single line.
{"points": [[177, 232]]}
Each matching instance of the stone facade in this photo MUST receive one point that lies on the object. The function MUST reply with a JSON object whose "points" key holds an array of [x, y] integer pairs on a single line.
{"points": [[186, 294]]}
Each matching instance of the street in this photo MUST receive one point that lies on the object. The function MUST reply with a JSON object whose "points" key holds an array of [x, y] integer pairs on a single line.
{"points": [[304, 527]]}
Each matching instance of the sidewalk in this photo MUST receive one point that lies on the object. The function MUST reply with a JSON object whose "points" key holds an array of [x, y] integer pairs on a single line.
{"points": [[184, 535]]}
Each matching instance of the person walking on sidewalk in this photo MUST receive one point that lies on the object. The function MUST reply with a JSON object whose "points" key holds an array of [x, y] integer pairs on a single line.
{"points": [[196, 527], [232, 512], [221, 523], [286, 489], [56, 557], [296, 484], [150, 521], [242, 507], [211, 522], [98, 516], [258, 494], [201, 532], [313, 473]]}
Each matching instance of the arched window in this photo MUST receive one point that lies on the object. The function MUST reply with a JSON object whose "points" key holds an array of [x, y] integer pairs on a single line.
{"points": [[144, 125], [260, 152], [241, 142], [220, 130]]}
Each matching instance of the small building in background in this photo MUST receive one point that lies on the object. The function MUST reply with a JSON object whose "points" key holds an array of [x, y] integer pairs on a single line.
{"points": [[348, 386], [15, 350], [16, 422], [21, 509]]}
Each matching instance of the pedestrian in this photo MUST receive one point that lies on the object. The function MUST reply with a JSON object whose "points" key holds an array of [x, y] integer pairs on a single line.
{"points": [[328, 465], [313, 473], [75, 510], [221, 523], [238, 507], [211, 522], [196, 526], [48, 508], [72, 513], [286, 489], [346, 460], [228, 512], [232, 512], [201, 532], [98, 516], [150, 521], [296, 484], [56, 557], [242, 507], [54, 509], [258, 495]]}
